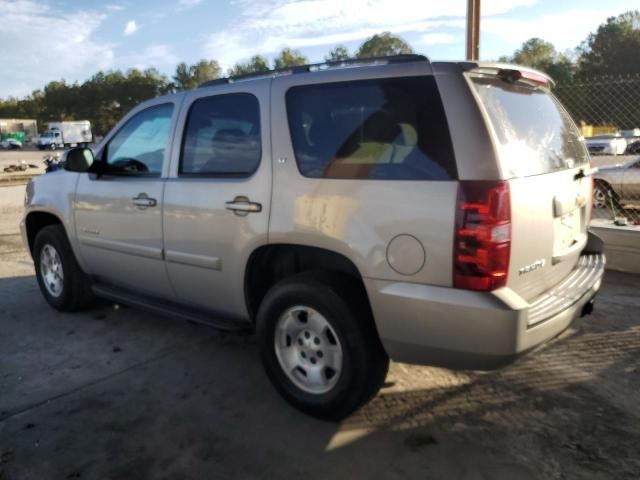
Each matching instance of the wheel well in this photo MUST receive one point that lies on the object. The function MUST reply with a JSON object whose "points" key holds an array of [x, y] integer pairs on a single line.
{"points": [[269, 264], [35, 222], [606, 186]]}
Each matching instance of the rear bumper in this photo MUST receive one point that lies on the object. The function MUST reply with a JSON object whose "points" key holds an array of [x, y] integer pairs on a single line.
{"points": [[425, 324]]}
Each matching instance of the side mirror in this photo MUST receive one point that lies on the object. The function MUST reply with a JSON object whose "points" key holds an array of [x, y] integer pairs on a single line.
{"points": [[78, 160]]}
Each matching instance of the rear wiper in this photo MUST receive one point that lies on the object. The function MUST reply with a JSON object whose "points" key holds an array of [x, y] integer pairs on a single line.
{"points": [[584, 172], [580, 174]]}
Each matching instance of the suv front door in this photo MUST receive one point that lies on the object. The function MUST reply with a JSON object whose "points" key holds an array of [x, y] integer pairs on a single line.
{"points": [[118, 213], [217, 199]]}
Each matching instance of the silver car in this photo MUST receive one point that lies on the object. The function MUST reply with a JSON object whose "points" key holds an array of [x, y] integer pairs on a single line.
{"points": [[607, 144], [618, 183], [350, 212]]}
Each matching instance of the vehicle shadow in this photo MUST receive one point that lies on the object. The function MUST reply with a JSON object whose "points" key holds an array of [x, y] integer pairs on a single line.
{"points": [[134, 395]]}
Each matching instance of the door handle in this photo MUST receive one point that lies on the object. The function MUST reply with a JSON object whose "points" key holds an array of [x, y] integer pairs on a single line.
{"points": [[242, 206], [143, 201]]}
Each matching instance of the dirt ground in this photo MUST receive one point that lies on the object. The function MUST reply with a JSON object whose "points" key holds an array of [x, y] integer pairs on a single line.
{"points": [[123, 394]]}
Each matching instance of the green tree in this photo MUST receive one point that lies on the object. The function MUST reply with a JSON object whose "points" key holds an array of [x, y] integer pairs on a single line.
{"points": [[257, 63], [383, 44], [613, 48], [539, 54], [337, 54], [204, 71], [535, 53], [289, 58], [182, 78], [188, 77]]}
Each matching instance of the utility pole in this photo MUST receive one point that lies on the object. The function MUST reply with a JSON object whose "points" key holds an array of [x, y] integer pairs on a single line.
{"points": [[473, 29]]}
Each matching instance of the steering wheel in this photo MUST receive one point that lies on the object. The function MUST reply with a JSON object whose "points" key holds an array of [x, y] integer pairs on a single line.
{"points": [[130, 165]]}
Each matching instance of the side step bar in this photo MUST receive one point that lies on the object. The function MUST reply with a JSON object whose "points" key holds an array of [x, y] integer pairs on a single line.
{"points": [[171, 309]]}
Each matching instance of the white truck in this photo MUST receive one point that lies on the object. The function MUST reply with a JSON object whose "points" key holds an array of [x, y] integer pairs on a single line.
{"points": [[65, 134]]}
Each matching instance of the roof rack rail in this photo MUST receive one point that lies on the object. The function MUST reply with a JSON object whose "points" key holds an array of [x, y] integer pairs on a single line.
{"points": [[314, 67]]}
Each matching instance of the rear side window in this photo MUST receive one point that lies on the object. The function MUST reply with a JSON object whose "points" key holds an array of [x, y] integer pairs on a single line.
{"points": [[222, 136], [388, 128], [535, 133]]}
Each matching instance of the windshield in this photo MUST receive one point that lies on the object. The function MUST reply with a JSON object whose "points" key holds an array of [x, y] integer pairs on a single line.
{"points": [[45, 135], [534, 132]]}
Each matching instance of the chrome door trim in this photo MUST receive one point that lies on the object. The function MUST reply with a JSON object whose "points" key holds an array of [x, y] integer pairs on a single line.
{"points": [[202, 261], [122, 247]]}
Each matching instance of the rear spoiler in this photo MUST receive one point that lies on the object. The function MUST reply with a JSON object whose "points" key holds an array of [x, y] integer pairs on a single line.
{"points": [[506, 71]]}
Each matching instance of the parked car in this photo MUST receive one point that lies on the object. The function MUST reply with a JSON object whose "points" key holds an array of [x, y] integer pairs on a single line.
{"points": [[633, 147], [618, 183], [406, 209], [607, 144], [11, 144]]}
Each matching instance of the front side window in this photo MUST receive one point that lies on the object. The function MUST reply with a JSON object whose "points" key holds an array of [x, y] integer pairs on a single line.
{"points": [[139, 146], [388, 128], [222, 136]]}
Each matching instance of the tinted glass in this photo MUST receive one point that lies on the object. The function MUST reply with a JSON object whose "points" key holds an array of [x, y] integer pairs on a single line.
{"points": [[222, 136], [535, 133], [391, 128], [139, 146]]}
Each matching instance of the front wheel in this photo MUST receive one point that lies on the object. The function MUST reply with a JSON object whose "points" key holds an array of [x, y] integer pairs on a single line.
{"points": [[604, 196], [319, 345], [600, 196], [62, 282]]}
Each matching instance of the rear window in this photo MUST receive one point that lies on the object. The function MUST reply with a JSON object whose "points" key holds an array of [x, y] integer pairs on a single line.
{"points": [[392, 128], [535, 133]]}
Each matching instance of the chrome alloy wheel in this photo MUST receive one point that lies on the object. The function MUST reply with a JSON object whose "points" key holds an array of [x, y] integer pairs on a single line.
{"points": [[599, 197], [308, 349], [51, 270]]}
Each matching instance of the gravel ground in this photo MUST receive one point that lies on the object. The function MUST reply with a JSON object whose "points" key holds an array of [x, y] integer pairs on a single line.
{"points": [[124, 394]]}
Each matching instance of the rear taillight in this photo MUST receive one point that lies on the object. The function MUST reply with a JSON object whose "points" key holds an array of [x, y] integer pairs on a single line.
{"points": [[482, 235]]}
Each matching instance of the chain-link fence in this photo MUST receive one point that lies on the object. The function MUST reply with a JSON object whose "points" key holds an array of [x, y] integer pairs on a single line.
{"points": [[607, 110]]}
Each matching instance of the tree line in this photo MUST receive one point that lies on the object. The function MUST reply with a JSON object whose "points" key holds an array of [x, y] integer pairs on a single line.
{"points": [[598, 82], [107, 96]]}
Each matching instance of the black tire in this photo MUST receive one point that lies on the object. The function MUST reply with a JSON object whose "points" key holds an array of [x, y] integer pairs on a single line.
{"points": [[76, 291], [344, 304]]}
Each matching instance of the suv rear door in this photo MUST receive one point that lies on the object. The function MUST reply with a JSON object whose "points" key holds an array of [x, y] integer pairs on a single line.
{"points": [[543, 157], [217, 199], [366, 169]]}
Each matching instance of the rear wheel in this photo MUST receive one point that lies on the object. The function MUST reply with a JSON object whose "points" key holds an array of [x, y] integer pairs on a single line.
{"points": [[62, 283], [319, 345]]}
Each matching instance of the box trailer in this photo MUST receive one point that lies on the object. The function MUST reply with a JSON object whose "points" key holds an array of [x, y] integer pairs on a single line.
{"points": [[66, 134]]}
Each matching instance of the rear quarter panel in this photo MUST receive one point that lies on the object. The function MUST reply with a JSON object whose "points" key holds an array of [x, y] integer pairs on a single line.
{"points": [[358, 218]]}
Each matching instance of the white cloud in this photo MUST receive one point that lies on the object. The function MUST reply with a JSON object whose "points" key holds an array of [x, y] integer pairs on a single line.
{"points": [[131, 27], [36, 46], [114, 7], [438, 39], [565, 29], [267, 27]]}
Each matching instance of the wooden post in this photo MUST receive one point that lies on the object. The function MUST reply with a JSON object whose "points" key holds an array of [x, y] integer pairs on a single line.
{"points": [[473, 29]]}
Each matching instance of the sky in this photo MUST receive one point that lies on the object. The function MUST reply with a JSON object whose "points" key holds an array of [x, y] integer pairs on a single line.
{"points": [[45, 40]]}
